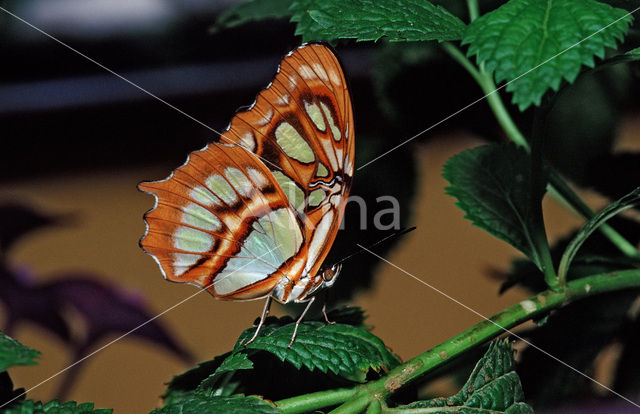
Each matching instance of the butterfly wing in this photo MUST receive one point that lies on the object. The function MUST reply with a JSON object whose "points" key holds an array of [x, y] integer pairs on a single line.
{"points": [[301, 125], [222, 222], [259, 217]]}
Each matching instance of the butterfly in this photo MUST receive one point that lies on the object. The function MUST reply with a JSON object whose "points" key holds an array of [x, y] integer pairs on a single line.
{"points": [[254, 214]]}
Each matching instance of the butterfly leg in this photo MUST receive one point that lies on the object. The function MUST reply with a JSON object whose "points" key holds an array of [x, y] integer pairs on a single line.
{"points": [[265, 312], [304, 312], [325, 299], [324, 313]]}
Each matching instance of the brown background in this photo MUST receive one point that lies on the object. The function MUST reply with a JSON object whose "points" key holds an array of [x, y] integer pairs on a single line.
{"points": [[446, 251]]}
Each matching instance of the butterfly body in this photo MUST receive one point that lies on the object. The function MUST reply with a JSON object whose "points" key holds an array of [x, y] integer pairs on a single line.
{"points": [[254, 214]]}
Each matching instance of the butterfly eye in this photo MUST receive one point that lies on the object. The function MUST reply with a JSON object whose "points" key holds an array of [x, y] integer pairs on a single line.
{"points": [[329, 275]]}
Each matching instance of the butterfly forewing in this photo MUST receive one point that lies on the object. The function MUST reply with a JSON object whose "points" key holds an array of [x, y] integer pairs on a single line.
{"points": [[258, 217], [301, 125]]}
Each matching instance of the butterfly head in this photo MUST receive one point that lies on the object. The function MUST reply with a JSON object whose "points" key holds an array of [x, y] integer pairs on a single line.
{"points": [[329, 275]]}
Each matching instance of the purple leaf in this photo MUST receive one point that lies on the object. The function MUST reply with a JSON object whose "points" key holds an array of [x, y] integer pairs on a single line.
{"points": [[109, 311], [24, 300], [17, 220]]}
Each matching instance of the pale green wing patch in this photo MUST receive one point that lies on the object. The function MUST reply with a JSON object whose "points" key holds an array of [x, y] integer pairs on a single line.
{"points": [[293, 144]]}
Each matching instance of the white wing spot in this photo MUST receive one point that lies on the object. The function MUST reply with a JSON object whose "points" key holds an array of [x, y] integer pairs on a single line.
{"points": [[319, 238], [283, 100], [339, 152], [306, 72], [248, 141], [334, 77], [322, 74], [298, 288], [183, 261], [348, 165], [329, 150], [198, 216], [266, 118], [258, 178], [239, 181], [222, 189], [336, 199], [292, 81], [192, 240]]}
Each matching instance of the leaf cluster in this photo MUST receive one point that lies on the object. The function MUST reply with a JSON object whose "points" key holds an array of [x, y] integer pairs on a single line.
{"points": [[563, 66], [323, 356], [493, 385]]}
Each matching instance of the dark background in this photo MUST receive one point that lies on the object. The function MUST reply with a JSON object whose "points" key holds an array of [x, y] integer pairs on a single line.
{"points": [[77, 139]]}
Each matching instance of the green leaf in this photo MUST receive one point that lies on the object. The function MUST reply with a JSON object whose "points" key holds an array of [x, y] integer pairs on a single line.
{"points": [[630, 200], [207, 374], [397, 20], [234, 362], [253, 10], [535, 44], [183, 385], [347, 351], [635, 53], [13, 353], [56, 407], [201, 402], [493, 186], [493, 385]]}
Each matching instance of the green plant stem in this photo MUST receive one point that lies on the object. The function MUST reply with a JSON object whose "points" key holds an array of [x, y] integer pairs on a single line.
{"points": [[557, 186], [374, 407], [567, 195], [474, 10], [493, 98], [538, 182], [357, 399], [310, 402]]}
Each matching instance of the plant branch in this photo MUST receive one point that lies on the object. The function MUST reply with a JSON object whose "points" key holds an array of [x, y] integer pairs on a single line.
{"points": [[567, 195], [310, 402], [539, 182], [493, 98], [557, 186], [357, 399], [628, 201], [474, 10]]}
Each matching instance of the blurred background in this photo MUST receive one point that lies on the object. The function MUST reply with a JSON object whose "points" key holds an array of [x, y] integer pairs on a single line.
{"points": [[76, 140]]}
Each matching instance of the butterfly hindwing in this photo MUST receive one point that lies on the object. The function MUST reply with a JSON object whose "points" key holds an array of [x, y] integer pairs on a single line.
{"points": [[221, 213]]}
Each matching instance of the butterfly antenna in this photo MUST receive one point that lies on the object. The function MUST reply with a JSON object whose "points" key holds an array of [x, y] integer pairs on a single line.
{"points": [[382, 240]]}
